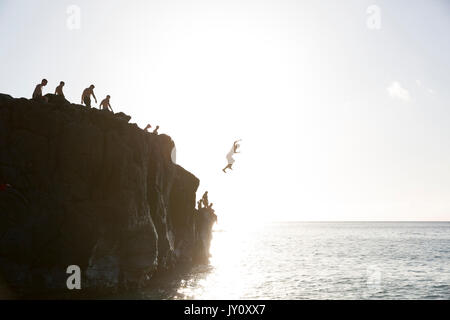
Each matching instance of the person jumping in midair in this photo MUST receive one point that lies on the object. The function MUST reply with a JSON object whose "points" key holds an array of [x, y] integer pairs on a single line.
{"points": [[230, 154], [105, 105], [86, 96]]}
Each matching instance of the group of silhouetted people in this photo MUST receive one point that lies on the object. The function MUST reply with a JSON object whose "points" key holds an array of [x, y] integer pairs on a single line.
{"points": [[204, 202], [85, 98], [149, 126]]}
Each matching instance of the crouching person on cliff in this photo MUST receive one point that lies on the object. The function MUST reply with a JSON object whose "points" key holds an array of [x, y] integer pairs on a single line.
{"points": [[149, 126], [37, 93], [105, 105]]}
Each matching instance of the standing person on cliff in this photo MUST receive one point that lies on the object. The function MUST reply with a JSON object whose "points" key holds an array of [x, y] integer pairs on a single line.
{"points": [[37, 93], [205, 199], [105, 105], [86, 96], [59, 89]]}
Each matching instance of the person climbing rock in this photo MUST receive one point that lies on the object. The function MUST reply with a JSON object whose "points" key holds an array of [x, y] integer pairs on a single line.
{"points": [[199, 204], [210, 208], [86, 96], [37, 93], [230, 154], [156, 130], [105, 105], [59, 89], [147, 127]]}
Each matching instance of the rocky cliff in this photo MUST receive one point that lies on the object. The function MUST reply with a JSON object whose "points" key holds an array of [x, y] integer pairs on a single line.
{"points": [[85, 187]]}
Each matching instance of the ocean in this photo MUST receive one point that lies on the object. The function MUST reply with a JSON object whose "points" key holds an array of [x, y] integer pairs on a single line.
{"points": [[320, 260]]}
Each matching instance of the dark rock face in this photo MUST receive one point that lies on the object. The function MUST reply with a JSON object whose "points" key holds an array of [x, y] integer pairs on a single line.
{"points": [[89, 189]]}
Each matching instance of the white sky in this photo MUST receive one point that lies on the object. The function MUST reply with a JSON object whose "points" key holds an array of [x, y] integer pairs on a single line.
{"points": [[338, 121]]}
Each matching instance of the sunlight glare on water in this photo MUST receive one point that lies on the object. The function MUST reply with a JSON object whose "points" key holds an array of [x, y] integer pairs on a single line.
{"points": [[230, 249], [348, 260]]}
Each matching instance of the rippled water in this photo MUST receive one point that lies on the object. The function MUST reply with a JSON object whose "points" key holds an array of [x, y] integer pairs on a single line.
{"points": [[342, 260]]}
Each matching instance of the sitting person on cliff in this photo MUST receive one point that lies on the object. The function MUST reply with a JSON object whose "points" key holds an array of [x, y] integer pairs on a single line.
{"points": [[156, 130], [59, 89], [86, 96], [37, 93], [104, 105], [147, 127], [230, 154]]}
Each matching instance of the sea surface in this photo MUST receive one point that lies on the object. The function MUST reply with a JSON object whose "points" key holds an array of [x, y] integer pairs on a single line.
{"points": [[320, 260]]}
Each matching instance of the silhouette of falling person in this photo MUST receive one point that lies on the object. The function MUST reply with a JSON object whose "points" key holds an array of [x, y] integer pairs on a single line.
{"points": [[156, 130], [105, 105], [37, 93], [59, 89], [148, 127], [86, 96], [230, 154]]}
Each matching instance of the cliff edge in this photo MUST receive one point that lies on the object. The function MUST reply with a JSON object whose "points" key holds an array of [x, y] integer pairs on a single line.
{"points": [[84, 187]]}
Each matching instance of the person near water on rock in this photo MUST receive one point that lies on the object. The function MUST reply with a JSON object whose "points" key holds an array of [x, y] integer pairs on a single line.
{"points": [[37, 93], [205, 199], [230, 154], [86, 96], [104, 105], [156, 130], [147, 127], [59, 89]]}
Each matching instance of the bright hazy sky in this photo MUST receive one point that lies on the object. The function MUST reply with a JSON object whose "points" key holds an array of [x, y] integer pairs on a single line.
{"points": [[339, 121]]}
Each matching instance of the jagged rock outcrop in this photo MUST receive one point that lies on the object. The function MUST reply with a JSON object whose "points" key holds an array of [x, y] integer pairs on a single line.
{"points": [[92, 190]]}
